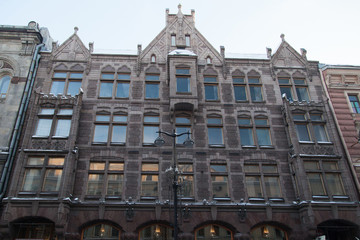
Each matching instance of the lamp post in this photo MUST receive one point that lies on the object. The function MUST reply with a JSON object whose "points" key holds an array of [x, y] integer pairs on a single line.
{"points": [[159, 141]]}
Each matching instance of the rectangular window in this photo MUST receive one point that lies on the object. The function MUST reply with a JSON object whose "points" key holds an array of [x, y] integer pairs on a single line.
{"points": [[215, 134], [182, 84], [66, 83], [286, 88], [219, 180], [187, 40], [101, 133], [63, 127], [354, 102], [149, 179], [106, 89], [152, 87], [211, 88], [240, 93], [246, 132], [301, 90], [183, 124], [43, 127], [95, 183], [151, 127], [118, 134], [187, 180], [110, 128], [43, 174], [173, 40], [123, 85], [256, 93], [262, 132]]}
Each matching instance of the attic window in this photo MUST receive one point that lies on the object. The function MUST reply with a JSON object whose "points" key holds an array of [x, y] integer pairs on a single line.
{"points": [[187, 40], [173, 40], [153, 59], [208, 60]]}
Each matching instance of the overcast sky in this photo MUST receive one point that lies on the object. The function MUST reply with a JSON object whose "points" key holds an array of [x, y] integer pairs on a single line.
{"points": [[329, 30]]}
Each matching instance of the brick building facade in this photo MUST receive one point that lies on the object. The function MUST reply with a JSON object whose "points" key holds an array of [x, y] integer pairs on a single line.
{"points": [[267, 162]]}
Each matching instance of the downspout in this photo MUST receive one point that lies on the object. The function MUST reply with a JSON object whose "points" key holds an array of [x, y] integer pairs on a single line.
{"points": [[19, 121], [348, 157]]}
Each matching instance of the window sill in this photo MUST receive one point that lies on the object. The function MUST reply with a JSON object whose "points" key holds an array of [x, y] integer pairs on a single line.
{"points": [[27, 193], [266, 147], [256, 199], [322, 197], [92, 197], [242, 101], [60, 137], [325, 143], [258, 101], [105, 97], [117, 143], [307, 142], [222, 199], [154, 99], [148, 144], [248, 146], [38, 136], [276, 199], [49, 194], [340, 197], [99, 143], [217, 145], [184, 93], [113, 197], [187, 199], [148, 198], [122, 98], [210, 100]]}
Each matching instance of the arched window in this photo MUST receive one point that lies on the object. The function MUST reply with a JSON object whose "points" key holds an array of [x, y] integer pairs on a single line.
{"points": [[268, 232], [213, 231], [156, 231], [4, 85], [208, 60], [101, 231], [153, 58]]}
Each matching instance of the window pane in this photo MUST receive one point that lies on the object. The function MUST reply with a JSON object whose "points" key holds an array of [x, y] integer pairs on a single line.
{"points": [[330, 166], [354, 102], [35, 161], [302, 132], [63, 127], [187, 40], [272, 186], [299, 81], [4, 84], [101, 133], [102, 118], [152, 167], [253, 186], [116, 166], [320, 133], [149, 119], [246, 137], [334, 184], [240, 93], [123, 76], [173, 40], [47, 111], [269, 168], [220, 186], [251, 168], [182, 84], [60, 75], [316, 117], [261, 121], [211, 92], [56, 161], [52, 180], [181, 139], [107, 76], [95, 183], [122, 90], [106, 89], [65, 111], [218, 168], [215, 136], [185, 168], [73, 88], [118, 134], [183, 120], [182, 71], [256, 94], [244, 121], [152, 90], [149, 185], [43, 127], [32, 180], [254, 80], [119, 118], [187, 189], [210, 79], [76, 75], [150, 134], [311, 165], [284, 81], [287, 92], [152, 77], [97, 166], [238, 80], [299, 116], [57, 87], [214, 121], [316, 184], [263, 136], [114, 185], [302, 94]]}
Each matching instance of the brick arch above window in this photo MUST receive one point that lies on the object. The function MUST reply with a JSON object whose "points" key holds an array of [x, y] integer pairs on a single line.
{"points": [[124, 69], [283, 74], [238, 73], [77, 67], [211, 72], [253, 73], [298, 74], [61, 67], [108, 68], [153, 70]]}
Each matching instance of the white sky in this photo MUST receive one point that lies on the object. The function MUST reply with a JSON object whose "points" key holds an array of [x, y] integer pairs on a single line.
{"points": [[329, 30]]}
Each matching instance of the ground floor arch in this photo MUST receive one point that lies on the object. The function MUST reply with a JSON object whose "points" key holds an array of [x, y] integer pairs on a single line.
{"points": [[338, 229], [33, 228], [269, 231]]}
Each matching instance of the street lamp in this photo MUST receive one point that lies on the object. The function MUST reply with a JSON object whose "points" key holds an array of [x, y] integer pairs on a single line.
{"points": [[159, 141]]}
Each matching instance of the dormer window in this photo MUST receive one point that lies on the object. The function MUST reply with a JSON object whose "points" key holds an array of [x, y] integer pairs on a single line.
{"points": [[208, 60], [187, 40]]}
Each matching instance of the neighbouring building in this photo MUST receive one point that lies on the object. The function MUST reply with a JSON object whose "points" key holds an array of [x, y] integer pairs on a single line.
{"points": [[267, 160], [19, 47], [343, 87]]}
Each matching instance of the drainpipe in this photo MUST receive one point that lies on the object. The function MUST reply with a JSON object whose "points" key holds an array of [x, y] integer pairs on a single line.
{"points": [[348, 157], [19, 121]]}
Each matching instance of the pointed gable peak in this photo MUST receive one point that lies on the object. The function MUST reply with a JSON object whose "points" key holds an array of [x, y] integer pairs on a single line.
{"points": [[72, 49], [287, 56]]}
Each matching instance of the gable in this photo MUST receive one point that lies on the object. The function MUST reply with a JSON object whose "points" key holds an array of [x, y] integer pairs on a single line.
{"points": [[287, 56], [72, 49]]}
